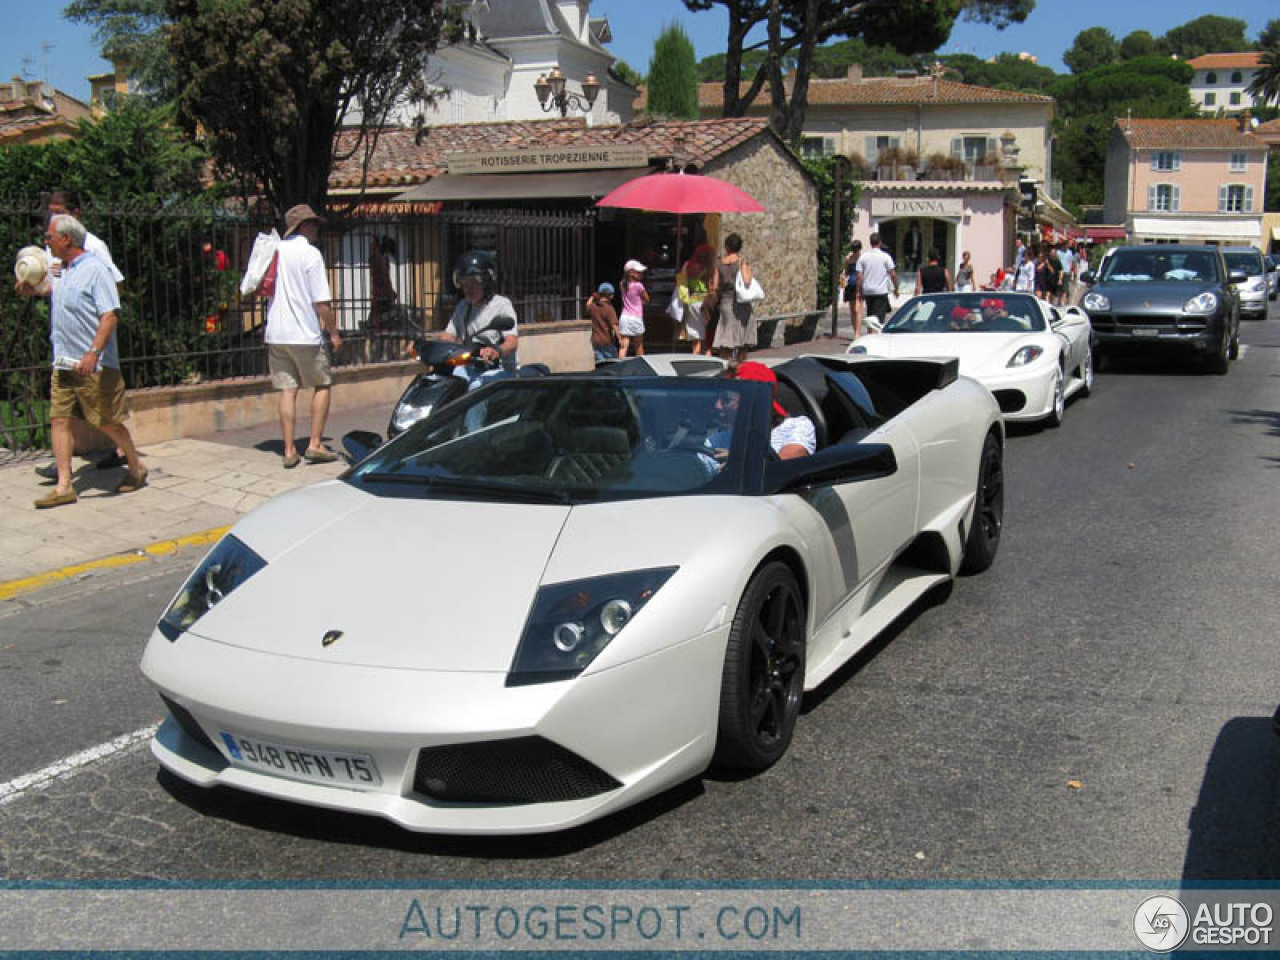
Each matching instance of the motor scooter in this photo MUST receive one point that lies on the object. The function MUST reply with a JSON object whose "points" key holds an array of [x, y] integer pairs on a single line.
{"points": [[440, 383]]}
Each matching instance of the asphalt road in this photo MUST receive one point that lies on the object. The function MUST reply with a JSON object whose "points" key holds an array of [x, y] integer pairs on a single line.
{"points": [[1095, 707]]}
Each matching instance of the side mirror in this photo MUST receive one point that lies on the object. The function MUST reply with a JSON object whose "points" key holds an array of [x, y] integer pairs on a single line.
{"points": [[360, 443], [1237, 276], [839, 463], [1088, 277]]}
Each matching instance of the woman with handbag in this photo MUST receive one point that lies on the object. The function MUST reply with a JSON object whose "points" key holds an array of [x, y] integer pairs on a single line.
{"points": [[736, 331]]}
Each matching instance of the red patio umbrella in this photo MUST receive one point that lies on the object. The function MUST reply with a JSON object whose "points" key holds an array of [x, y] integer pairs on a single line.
{"points": [[680, 193]]}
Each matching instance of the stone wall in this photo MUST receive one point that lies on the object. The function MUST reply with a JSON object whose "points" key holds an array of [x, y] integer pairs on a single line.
{"points": [[781, 244]]}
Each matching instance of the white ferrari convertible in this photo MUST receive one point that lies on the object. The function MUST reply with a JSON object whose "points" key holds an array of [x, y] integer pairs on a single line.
{"points": [[557, 596], [1031, 355]]}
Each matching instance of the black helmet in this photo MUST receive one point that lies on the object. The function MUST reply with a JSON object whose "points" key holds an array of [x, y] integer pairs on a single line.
{"points": [[480, 264]]}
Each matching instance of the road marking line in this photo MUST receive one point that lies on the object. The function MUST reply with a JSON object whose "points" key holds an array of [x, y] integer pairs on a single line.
{"points": [[27, 584], [68, 766]]}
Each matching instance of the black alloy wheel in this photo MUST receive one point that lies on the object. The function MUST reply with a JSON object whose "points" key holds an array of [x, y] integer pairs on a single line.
{"points": [[762, 683], [983, 541]]}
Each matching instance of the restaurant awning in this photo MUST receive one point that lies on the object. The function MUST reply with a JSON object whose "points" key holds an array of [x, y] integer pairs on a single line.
{"points": [[522, 186], [1095, 234]]}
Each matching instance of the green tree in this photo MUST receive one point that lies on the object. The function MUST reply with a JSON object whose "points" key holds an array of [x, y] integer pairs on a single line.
{"points": [[271, 84], [823, 171], [795, 29], [1008, 72], [1094, 47], [1208, 34], [1139, 43], [1270, 35], [673, 75], [1266, 81], [131, 32], [622, 70], [1273, 182]]}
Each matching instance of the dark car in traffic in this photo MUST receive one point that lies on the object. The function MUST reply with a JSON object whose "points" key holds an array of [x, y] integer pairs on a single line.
{"points": [[1165, 298]]}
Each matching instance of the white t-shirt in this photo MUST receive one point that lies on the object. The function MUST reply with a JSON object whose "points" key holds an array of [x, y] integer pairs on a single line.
{"points": [[1026, 279], [301, 283], [794, 430], [874, 266]]}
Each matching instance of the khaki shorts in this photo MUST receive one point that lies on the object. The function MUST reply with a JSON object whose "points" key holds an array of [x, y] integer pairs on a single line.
{"points": [[295, 365], [98, 398]]}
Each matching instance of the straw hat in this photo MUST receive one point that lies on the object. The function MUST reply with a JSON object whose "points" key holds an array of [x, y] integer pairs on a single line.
{"points": [[32, 266]]}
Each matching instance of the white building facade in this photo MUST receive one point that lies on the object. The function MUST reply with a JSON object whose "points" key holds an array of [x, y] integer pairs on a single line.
{"points": [[1220, 80]]}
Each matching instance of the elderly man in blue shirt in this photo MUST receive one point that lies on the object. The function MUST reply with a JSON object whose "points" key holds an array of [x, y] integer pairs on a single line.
{"points": [[86, 364]]}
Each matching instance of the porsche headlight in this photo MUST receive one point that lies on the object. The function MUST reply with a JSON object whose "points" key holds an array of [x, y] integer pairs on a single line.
{"points": [[227, 566], [1096, 302], [1025, 355], [572, 622], [1204, 303]]}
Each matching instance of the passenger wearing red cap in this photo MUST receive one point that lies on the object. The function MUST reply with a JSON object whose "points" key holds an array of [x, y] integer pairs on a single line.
{"points": [[791, 436]]}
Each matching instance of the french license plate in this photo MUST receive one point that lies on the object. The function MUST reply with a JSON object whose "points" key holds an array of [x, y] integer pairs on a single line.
{"points": [[295, 763], [1146, 331]]}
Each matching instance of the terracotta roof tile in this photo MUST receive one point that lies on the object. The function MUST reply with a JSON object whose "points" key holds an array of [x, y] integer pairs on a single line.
{"points": [[399, 161], [1181, 134], [1220, 61], [15, 128], [884, 90]]}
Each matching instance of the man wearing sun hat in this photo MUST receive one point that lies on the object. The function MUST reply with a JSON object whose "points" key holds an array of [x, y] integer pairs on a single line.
{"points": [[299, 318], [790, 437]]}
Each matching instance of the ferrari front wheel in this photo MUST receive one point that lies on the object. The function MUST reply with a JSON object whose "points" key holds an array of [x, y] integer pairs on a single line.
{"points": [[762, 682]]}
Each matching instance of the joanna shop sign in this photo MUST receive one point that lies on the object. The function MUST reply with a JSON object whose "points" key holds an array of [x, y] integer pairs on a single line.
{"points": [[544, 159], [917, 207]]}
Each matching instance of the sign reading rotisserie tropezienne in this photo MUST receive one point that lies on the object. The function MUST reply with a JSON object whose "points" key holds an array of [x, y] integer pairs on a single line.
{"points": [[544, 159]]}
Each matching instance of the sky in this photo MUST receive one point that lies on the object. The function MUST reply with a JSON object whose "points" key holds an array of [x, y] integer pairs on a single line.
{"points": [[38, 43]]}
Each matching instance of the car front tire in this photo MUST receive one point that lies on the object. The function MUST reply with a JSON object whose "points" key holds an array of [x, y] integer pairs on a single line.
{"points": [[1220, 359], [1054, 419], [762, 683], [983, 541]]}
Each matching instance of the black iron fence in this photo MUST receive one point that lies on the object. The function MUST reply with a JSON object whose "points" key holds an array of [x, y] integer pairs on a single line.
{"points": [[183, 319]]}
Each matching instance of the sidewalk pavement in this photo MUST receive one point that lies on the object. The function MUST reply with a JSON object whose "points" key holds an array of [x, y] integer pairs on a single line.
{"points": [[196, 489]]}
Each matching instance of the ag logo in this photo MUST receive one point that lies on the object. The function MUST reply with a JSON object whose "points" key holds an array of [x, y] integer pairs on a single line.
{"points": [[330, 638], [1161, 923]]}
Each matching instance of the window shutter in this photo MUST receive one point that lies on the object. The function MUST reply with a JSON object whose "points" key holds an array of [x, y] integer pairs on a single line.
{"points": [[957, 147], [1248, 199], [993, 149], [1224, 194], [1155, 160], [1177, 199], [1151, 196], [1177, 160], [872, 150], [894, 142]]}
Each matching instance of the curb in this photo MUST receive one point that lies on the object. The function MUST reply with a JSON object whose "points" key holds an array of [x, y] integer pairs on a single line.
{"points": [[15, 588]]}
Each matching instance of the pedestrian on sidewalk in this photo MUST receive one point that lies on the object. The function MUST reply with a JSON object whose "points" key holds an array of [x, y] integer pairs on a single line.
{"points": [[299, 317], [933, 277], [849, 281], [876, 274], [964, 274], [604, 323], [86, 380], [62, 201], [693, 287], [634, 297], [736, 328]]}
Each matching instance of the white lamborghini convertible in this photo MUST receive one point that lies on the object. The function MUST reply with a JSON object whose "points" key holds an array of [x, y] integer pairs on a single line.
{"points": [[557, 596], [1031, 355]]}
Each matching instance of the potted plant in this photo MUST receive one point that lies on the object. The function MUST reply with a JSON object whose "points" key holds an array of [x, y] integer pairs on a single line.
{"points": [[887, 163], [908, 165]]}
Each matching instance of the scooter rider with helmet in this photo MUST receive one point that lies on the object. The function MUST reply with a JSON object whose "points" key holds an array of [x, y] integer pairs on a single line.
{"points": [[476, 275]]}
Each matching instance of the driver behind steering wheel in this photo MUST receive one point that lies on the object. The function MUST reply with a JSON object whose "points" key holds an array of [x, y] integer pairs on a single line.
{"points": [[476, 275]]}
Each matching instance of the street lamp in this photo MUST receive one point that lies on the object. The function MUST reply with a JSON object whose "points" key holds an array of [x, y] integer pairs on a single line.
{"points": [[552, 95]]}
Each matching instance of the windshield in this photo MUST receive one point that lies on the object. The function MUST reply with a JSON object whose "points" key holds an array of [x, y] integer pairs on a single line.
{"points": [[570, 440], [968, 313], [1246, 261], [1161, 266]]}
